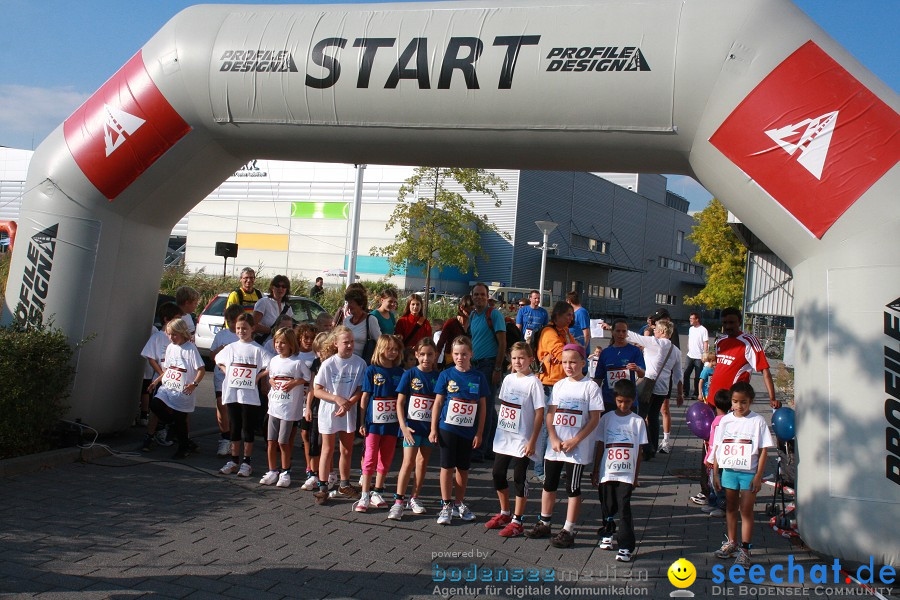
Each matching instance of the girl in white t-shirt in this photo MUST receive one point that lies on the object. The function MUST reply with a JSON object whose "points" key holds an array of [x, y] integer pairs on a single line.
{"points": [[222, 338], [518, 425], [155, 353], [289, 384], [306, 335], [244, 363]]}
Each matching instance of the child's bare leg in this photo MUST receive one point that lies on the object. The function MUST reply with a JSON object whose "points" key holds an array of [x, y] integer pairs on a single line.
{"points": [[462, 480], [406, 469], [326, 458], [503, 496], [379, 480], [666, 417], [421, 467], [286, 455], [446, 483], [520, 505], [272, 454], [304, 435], [747, 501], [548, 499], [346, 454], [573, 510], [732, 499], [248, 448], [222, 415]]}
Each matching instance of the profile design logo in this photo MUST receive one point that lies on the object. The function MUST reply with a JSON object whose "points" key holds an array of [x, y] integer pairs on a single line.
{"points": [[682, 574]]}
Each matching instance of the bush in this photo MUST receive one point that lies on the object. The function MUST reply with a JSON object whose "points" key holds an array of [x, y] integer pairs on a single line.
{"points": [[36, 371], [4, 272]]}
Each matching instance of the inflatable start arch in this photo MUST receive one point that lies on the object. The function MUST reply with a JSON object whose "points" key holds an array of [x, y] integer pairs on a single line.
{"points": [[751, 98]]}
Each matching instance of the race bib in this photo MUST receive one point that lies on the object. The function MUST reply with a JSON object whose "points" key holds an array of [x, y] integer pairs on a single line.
{"points": [[614, 375], [592, 366], [277, 395], [528, 334], [620, 459], [461, 412], [510, 417], [568, 418], [242, 377], [420, 408], [173, 379], [736, 454], [384, 410]]}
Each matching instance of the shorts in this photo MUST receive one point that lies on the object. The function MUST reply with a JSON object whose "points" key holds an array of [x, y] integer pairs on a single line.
{"points": [[456, 451], [307, 425], [736, 480], [419, 441], [280, 430]]}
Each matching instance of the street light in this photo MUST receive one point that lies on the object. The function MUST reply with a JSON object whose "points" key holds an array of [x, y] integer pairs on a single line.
{"points": [[546, 228]]}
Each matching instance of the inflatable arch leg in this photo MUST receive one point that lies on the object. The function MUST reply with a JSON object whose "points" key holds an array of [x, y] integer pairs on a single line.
{"points": [[751, 98]]}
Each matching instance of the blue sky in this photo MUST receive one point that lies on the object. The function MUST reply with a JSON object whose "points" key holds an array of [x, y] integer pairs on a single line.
{"points": [[57, 52]]}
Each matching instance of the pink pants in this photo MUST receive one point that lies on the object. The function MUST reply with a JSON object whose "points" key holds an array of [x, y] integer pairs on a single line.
{"points": [[380, 448]]}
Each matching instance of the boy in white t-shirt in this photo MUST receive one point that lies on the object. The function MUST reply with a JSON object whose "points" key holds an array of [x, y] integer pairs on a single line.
{"points": [[572, 417], [739, 448], [619, 438], [222, 338]]}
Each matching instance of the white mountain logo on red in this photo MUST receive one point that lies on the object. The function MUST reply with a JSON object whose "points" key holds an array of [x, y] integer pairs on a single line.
{"points": [[118, 126], [811, 136]]}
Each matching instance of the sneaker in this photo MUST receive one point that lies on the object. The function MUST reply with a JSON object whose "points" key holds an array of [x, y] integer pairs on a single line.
{"points": [[445, 517], [700, 499], [743, 558], [321, 496], [362, 505], [396, 512], [665, 447], [143, 420], [463, 512], [416, 506], [708, 508], [268, 479], [563, 539], [512, 530], [498, 521], [623, 555], [717, 512], [284, 480], [344, 493], [147, 446], [246, 470], [160, 438], [360, 482], [540, 530], [727, 550], [536, 479], [332, 480], [229, 469], [311, 483], [377, 501], [607, 543], [224, 448]]}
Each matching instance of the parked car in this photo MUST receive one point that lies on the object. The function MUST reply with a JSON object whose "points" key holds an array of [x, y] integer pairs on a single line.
{"points": [[212, 318]]}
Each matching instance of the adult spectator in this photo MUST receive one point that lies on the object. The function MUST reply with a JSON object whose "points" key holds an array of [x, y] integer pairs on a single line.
{"points": [[318, 290], [246, 296], [363, 325], [660, 314], [619, 360], [549, 354], [413, 325], [269, 309], [647, 329], [386, 311], [581, 325], [341, 313], [698, 345], [531, 318], [738, 354], [487, 328], [455, 327]]}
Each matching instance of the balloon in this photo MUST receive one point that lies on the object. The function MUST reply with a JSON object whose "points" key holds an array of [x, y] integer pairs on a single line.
{"points": [[699, 419], [783, 423]]}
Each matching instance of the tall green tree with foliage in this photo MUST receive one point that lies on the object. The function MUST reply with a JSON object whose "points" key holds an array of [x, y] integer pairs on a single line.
{"points": [[439, 228], [723, 255]]}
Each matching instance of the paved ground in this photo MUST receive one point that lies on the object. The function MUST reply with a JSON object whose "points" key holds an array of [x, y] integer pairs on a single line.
{"points": [[142, 526]]}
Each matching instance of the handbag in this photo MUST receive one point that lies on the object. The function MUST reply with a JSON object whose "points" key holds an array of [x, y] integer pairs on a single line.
{"points": [[369, 347], [648, 383]]}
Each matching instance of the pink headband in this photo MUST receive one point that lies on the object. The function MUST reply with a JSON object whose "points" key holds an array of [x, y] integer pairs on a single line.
{"points": [[574, 347]]}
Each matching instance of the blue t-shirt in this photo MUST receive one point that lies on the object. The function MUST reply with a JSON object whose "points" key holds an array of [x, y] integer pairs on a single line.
{"points": [[532, 318], [381, 382], [582, 321], [417, 382], [464, 390], [386, 325], [484, 339], [706, 376], [611, 368]]}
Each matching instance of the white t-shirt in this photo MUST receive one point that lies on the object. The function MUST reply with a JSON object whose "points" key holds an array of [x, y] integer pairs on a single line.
{"points": [[222, 339], [243, 362], [697, 338], [149, 373], [307, 358], [189, 321], [182, 364], [655, 349], [622, 438], [574, 401], [359, 332], [155, 348], [739, 441], [270, 311], [287, 406], [342, 377], [520, 397]]}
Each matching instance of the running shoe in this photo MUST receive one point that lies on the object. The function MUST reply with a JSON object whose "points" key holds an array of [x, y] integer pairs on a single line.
{"points": [[377, 501], [396, 512], [708, 508], [717, 512], [160, 438], [284, 480], [245, 471], [311, 483], [269, 478], [623, 555], [445, 517], [727, 550], [540, 530], [344, 493], [743, 558], [416, 506], [514, 529], [665, 447], [224, 448], [563, 539], [332, 480], [322, 495], [362, 505], [230, 468], [607, 543], [498, 521], [463, 512], [700, 499]]}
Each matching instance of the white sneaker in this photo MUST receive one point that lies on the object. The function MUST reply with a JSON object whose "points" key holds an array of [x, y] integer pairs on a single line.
{"points": [[160, 438], [224, 448], [229, 468], [362, 505], [445, 517], [360, 482], [284, 480], [607, 542], [332, 480], [708, 508], [717, 512], [311, 483], [665, 447], [396, 512], [464, 513], [245, 471], [377, 500], [416, 506], [268, 479]]}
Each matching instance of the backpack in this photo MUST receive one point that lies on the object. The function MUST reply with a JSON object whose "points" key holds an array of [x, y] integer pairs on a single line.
{"points": [[244, 302]]}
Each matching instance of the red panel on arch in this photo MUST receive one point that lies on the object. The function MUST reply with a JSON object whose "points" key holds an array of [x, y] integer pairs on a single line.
{"points": [[812, 136], [122, 129]]}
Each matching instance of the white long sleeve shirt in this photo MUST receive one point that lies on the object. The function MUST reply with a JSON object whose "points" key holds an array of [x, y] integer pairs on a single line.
{"points": [[655, 350]]}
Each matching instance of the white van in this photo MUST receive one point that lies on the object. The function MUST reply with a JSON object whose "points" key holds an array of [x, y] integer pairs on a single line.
{"points": [[504, 295]]}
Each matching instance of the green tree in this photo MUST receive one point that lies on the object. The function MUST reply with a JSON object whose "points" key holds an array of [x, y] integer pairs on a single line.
{"points": [[724, 257], [439, 228]]}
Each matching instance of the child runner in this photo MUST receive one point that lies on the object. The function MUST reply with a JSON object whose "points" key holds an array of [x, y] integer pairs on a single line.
{"points": [[740, 457], [244, 363], [339, 388], [457, 424], [415, 401], [155, 353], [572, 416], [187, 299], [409, 358], [709, 367], [619, 438], [715, 501], [174, 399], [379, 405], [223, 337], [324, 348], [306, 335], [518, 426], [289, 382], [284, 321]]}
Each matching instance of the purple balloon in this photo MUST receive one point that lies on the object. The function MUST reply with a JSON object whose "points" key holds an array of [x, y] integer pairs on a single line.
{"points": [[699, 419]]}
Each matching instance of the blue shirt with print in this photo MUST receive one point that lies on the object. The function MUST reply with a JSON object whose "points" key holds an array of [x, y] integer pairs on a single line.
{"points": [[582, 321], [416, 381], [616, 358], [470, 385], [484, 339], [532, 318], [381, 382]]}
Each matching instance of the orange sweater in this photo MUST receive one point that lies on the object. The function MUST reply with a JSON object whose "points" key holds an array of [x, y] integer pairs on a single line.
{"points": [[549, 352]]}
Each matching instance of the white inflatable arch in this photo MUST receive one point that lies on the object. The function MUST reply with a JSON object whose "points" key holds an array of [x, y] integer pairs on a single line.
{"points": [[751, 98]]}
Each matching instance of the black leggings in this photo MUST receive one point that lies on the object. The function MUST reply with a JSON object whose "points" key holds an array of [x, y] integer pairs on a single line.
{"points": [[553, 471], [243, 419], [169, 416], [501, 466]]}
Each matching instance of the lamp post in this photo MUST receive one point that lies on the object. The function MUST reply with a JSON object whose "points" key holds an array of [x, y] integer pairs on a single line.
{"points": [[546, 228]]}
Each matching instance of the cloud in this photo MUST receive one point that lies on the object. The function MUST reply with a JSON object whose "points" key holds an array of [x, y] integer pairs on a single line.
{"points": [[28, 112]]}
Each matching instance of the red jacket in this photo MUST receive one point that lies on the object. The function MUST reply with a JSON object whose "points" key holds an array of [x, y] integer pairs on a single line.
{"points": [[406, 330]]}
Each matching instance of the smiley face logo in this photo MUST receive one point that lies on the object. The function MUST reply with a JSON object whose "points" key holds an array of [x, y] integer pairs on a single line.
{"points": [[682, 573], [452, 386]]}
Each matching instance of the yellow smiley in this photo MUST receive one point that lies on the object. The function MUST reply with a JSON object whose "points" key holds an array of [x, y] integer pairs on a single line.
{"points": [[682, 573]]}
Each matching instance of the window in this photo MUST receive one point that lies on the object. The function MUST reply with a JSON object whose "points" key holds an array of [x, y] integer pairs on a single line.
{"points": [[667, 299], [588, 243], [615, 293], [594, 290], [678, 265], [679, 242]]}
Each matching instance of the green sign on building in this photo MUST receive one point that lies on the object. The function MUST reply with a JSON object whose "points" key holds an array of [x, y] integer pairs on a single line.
{"points": [[320, 210]]}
